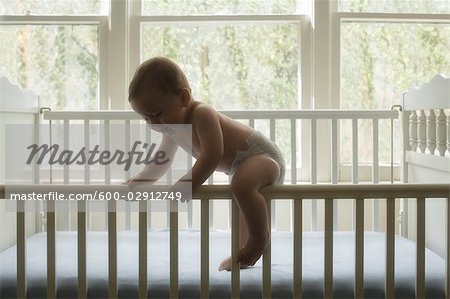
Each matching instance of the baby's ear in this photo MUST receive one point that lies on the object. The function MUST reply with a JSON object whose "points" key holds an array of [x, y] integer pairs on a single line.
{"points": [[185, 95]]}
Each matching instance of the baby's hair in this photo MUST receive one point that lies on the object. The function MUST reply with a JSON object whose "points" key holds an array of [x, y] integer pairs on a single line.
{"points": [[160, 73]]}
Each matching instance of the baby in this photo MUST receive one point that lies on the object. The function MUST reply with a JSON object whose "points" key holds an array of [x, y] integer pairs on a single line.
{"points": [[160, 93]]}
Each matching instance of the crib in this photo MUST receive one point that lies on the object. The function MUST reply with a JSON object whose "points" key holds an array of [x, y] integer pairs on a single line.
{"points": [[175, 262]]}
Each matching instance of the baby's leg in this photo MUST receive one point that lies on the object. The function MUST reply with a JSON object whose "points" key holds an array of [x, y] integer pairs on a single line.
{"points": [[252, 174]]}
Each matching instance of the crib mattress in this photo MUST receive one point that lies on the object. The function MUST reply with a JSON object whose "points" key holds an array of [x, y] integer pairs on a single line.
{"points": [[220, 282]]}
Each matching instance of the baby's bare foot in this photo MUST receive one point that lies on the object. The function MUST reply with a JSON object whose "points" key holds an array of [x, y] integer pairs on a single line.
{"points": [[225, 264], [248, 255]]}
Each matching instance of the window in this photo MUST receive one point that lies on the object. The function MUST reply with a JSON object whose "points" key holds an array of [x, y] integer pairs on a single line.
{"points": [[233, 66], [57, 62], [377, 63], [224, 7], [242, 54], [52, 48], [236, 54], [392, 6], [54, 7]]}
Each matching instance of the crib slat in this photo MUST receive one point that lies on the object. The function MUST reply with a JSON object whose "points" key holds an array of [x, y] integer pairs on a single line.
{"points": [[142, 249], [190, 214], [87, 171], [168, 203], [267, 258], [440, 132], [431, 131], [334, 153], [328, 277], [355, 150], [422, 131], [66, 206], [314, 151], [36, 174], [298, 238], [335, 166], [293, 151], [420, 249], [251, 122], [112, 249], [447, 272], [204, 235], [313, 171], [107, 137], [272, 217], [375, 176], [86, 144], [359, 249], [390, 249], [235, 274], [355, 178], [82, 283], [66, 147], [413, 130], [173, 251], [448, 132], [87, 177], [107, 129], [127, 173], [51, 250], [148, 139], [21, 250]]}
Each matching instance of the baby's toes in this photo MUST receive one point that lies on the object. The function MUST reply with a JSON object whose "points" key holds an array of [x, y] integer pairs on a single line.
{"points": [[225, 264]]}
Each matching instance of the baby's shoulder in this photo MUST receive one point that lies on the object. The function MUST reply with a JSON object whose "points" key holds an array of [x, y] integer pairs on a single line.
{"points": [[202, 110]]}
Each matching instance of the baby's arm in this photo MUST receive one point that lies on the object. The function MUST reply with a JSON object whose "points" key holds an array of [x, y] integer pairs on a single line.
{"points": [[153, 172], [206, 124]]}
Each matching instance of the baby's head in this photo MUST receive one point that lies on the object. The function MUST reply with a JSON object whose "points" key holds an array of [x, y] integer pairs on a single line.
{"points": [[159, 91]]}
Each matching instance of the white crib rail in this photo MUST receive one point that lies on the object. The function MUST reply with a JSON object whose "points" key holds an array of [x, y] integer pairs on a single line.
{"points": [[298, 192], [293, 116], [428, 132]]}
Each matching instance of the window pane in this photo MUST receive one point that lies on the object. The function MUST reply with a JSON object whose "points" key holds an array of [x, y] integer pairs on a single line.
{"points": [[54, 7], [225, 7], [396, 6], [235, 66], [379, 61], [57, 62]]}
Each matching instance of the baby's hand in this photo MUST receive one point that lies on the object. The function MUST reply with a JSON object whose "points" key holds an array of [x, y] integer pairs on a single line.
{"points": [[184, 189], [139, 179]]}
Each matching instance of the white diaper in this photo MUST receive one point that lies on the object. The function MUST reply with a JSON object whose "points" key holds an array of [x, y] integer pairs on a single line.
{"points": [[260, 144]]}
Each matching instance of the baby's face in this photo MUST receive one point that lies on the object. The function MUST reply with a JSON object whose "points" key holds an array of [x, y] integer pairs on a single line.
{"points": [[157, 107]]}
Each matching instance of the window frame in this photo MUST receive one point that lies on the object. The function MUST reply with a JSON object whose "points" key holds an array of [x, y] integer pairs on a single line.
{"points": [[136, 19], [304, 53], [336, 19], [320, 34], [99, 20]]}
